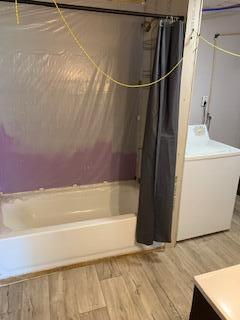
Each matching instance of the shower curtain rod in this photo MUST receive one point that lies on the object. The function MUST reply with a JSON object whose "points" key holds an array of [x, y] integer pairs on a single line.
{"points": [[95, 9]]}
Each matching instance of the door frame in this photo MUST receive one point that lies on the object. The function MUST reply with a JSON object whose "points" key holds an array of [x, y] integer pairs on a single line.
{"points": [[193, 26]]}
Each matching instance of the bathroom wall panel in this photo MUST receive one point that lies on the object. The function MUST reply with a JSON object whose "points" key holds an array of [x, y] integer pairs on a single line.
{"points": [[61, 121]]}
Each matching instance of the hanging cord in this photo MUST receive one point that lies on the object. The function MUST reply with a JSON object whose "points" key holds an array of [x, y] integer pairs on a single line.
{"points": [[211, 82], [218, 48], [110, 78], [17, 12]]}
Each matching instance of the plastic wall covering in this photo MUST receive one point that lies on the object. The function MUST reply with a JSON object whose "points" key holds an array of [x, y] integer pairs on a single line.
{"points": [[61, 122]]}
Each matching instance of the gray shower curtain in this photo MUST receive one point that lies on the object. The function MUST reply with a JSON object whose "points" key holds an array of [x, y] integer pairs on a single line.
{"points": [[160, 141]]}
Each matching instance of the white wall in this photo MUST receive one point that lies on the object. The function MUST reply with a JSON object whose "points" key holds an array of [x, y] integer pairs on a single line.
{"points": [[225, 102]]}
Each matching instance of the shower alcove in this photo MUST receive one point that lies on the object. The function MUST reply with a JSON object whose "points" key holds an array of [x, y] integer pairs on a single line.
{"points": [[70, 141]]}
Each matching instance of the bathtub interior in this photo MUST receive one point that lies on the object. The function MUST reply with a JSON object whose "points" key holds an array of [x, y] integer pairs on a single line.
{"points": [[21, 212]]}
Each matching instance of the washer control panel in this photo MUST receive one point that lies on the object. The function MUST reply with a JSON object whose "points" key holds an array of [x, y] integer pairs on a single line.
{"points": [[197, 134]]}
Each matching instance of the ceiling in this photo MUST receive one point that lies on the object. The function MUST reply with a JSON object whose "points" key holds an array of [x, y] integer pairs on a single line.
{"points": [[219, 3]]}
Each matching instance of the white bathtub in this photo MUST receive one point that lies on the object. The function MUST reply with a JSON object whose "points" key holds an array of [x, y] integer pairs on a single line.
{"points": [[46, 229]]}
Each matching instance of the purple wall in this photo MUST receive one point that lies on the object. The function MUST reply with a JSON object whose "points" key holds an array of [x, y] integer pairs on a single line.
{"points": [[25, 172]]}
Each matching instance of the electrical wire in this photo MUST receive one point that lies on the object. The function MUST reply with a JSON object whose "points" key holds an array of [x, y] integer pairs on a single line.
{"points": [[219, 48], [121, 83], [110, 78]]}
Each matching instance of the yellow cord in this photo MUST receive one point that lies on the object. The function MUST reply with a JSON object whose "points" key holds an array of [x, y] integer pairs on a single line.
{"points": [[126, 85], [219, 48], [110, 78], [17, 12]]}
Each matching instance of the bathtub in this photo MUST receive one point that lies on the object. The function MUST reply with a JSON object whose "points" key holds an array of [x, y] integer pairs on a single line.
{"points": [[46, 229]]}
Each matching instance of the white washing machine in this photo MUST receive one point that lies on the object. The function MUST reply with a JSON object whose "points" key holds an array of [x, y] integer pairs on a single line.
{"points": [[210, 182]]}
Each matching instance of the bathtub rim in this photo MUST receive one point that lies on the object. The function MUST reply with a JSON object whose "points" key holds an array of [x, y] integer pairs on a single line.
{"points": [[66, 226], [27, 195], [68, 189]]}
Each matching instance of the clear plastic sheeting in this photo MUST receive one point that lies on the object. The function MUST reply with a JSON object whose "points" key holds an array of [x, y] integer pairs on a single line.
{"points": [[61, 122]]}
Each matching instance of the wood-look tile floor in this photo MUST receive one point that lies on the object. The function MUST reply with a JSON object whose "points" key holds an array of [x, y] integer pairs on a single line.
{"points": [[154, 286]]}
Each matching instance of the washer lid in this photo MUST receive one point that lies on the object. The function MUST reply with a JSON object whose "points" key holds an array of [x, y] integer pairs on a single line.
{"points": [[209, 149], [200, 146]]}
